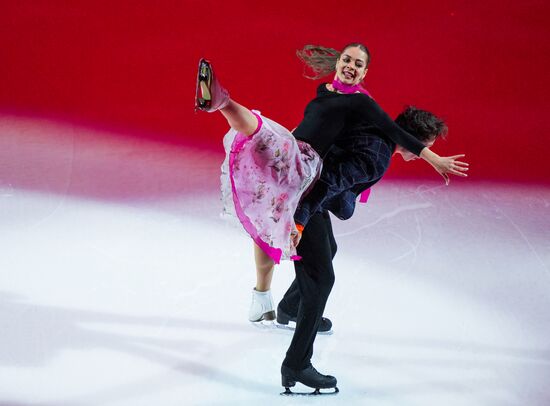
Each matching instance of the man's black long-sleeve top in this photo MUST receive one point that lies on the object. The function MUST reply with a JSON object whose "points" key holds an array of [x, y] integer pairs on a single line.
{"points": [[359, 155], [346, 173]]}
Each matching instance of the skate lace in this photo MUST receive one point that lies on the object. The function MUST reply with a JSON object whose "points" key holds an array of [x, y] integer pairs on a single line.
{"points": [[312, 369]]}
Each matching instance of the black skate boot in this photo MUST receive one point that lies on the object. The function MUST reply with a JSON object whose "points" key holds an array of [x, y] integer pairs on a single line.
{"points": [[309, 377], [325, 326]]}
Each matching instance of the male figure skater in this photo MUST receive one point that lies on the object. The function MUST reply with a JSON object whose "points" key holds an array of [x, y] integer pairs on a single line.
{"points": [[356, 162]]}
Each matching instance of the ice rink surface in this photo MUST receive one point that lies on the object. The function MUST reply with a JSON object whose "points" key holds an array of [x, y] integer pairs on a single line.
{"points": [[121, 285]]}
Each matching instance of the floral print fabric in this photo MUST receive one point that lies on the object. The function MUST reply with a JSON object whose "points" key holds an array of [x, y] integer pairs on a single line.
{"points": [[263, 179]]}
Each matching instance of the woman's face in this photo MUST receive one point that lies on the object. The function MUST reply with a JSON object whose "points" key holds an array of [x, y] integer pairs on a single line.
{"points": [[351, 67]]}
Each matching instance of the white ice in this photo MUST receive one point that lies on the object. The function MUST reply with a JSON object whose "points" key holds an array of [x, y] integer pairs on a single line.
{"points": [[120, 285]]}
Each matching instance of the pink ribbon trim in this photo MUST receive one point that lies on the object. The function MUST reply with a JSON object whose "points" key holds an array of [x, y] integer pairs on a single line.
{"points": [[238, 144], [364, 196]]}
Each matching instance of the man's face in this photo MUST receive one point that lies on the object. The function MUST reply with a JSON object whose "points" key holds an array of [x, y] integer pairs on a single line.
{"points": [[409, 156]]}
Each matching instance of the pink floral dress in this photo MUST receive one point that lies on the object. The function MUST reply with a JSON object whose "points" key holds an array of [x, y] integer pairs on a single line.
{"points": [[263, 179]]}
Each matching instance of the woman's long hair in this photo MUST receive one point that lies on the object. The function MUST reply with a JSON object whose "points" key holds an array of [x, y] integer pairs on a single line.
{"points": [[322, 60]]}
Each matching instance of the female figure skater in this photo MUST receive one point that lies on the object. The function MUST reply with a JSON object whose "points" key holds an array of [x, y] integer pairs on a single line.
{"points": [[267, 169]]}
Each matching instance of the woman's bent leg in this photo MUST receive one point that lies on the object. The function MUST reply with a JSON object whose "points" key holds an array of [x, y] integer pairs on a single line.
{"points": [[264, 269], [262, 307]]}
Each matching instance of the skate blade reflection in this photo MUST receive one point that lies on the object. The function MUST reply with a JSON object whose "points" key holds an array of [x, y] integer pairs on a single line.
{"points": [[290, 327]]}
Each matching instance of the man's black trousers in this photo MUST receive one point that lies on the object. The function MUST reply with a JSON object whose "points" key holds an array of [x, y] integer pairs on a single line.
{"points": [[309, 292]]}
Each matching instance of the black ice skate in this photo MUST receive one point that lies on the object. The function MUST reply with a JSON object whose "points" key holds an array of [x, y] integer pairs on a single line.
{"points": [[309, 377], [283, 319]]}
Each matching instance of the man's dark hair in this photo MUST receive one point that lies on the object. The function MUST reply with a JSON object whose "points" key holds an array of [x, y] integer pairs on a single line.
{"points": [[422, 124]]}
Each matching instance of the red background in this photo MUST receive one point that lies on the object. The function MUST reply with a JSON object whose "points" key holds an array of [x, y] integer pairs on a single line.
{"points": [[130, 66]]}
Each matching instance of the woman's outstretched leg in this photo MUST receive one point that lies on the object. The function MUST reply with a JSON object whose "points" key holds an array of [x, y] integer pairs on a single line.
{"points": [[211, 96], [240, 118], [262, 302]]}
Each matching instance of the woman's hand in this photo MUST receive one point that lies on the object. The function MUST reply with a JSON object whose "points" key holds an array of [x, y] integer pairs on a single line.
{"points": [[296, 236], [446, 165]]}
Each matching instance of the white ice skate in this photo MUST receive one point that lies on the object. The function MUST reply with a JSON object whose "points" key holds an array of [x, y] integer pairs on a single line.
{"points": [[261, 307]]}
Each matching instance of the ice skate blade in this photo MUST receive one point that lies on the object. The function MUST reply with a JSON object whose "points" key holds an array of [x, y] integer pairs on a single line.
{"points": [[267, 316], [264, 324], [316, 392]]}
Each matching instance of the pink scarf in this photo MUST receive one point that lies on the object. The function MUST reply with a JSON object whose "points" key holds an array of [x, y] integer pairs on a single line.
{"points": [[348, 89]]}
